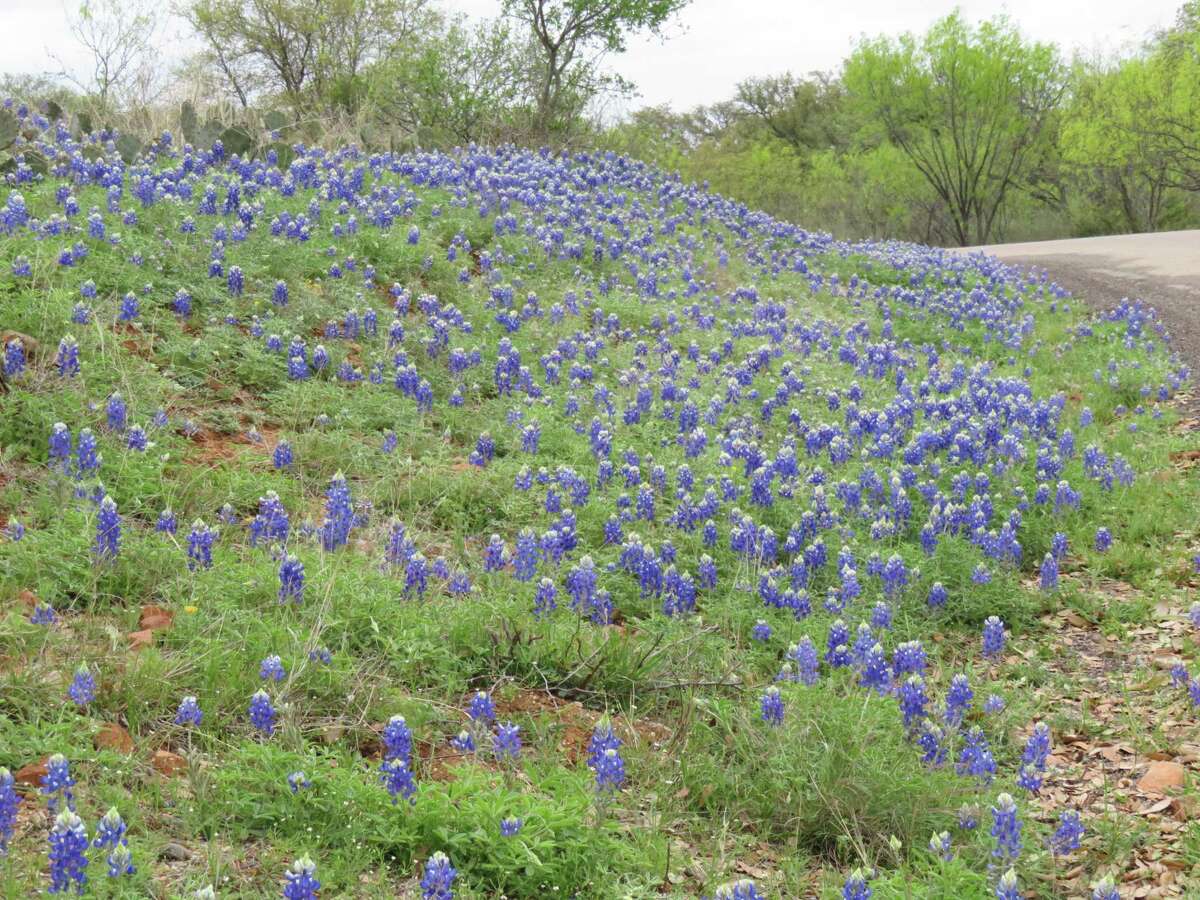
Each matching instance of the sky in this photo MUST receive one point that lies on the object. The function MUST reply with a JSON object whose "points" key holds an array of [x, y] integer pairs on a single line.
{"points": [[714, 43]]}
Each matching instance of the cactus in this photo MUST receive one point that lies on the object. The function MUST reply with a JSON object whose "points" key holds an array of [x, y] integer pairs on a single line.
{"points": [[188, 121], [237, 140], [129, 147], [10, 129]]}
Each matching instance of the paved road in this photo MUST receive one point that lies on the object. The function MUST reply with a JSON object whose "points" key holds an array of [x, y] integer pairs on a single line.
{"points": [[1162, 269]]}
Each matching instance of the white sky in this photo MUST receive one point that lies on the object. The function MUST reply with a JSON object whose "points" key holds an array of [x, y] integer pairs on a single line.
{"points": [[715, 43]]}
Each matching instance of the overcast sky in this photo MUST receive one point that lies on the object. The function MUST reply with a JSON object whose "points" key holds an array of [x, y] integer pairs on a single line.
{"points": [[716, 43]]}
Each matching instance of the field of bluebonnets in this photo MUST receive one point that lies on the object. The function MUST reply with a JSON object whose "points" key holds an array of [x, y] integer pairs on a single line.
{"points": [[511, 523]]}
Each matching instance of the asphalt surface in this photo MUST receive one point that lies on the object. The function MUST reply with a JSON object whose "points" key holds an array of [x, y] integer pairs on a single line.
{"points": [[1161, 269]]}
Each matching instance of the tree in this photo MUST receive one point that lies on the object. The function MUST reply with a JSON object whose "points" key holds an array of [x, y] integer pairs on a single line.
{"points": [[118, 35], [804, 113], [967, 105], [571, 35], [1104, 144], [465, 84], [311, 52]]}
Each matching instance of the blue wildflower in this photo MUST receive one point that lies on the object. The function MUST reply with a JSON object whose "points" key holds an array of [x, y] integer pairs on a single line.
{"points": [[397, 739], [298, 781], [301, 881], [189, 712], [9, 801], [68, 846], [108, 530], [271, 669], [83, 687], [438, 880], [1068, 834], [1006, 830], [509, 827], [262, 713], [993, 637], [772, 706], [506, 743]]}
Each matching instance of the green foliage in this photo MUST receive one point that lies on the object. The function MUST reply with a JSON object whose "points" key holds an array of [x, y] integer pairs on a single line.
{"points": [[966, 104]]}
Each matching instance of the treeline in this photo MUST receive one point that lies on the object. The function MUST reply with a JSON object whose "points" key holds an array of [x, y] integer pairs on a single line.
{"points": [[966, 134], [385, 73]]}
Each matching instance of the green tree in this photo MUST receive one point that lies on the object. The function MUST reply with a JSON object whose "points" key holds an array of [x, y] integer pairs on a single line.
{"points": [[807, 114], [469, 83], [570, 37], [312, 53], [967, 105], [1121, 169]]}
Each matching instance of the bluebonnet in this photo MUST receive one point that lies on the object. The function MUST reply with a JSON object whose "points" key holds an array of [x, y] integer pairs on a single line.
{"points": [[397, 739], [43, 614], [509, 827], [271, 522], [262, 713], [271, 669], [60, 447], [415, 575], [993, 637], [761, 631], [108, 530], [463, 742], [913, 700], [68, 846], [135, 439], [339, 514], [279, 294], [481, 708], [110, 833], [301, 881], [1194, 614], [298, 781], [87, 460], [993, 704], [14, 357], [876, 673], [975, 760], [189, 712], [291, 580], [958, 699], [166, 523], [610, 771], [506, 743], [130, 308], [1105, 889], [940, 845], [437, 882], [199, 546], [742, 889], [83, 687], [1103, 539], [771, 706], [968, 816], [235, 281], [856, 887], [57, 783], [282, 457], [909, 658], [544, 601], [1006, 831], [808, 664], [1006, 886], [9, 801], [1049, 572], [116, 411], [1068, 834]]}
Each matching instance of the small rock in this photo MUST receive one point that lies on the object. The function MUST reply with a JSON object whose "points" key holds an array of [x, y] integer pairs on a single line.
{"points": [[175, 851], [167, 763], [32, 773], [1161, 777], [155, 618], [139, 640], [112, 736]]}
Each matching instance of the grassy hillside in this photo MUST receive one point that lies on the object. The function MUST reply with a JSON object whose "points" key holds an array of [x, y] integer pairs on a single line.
{"points": [[616, 453]]}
